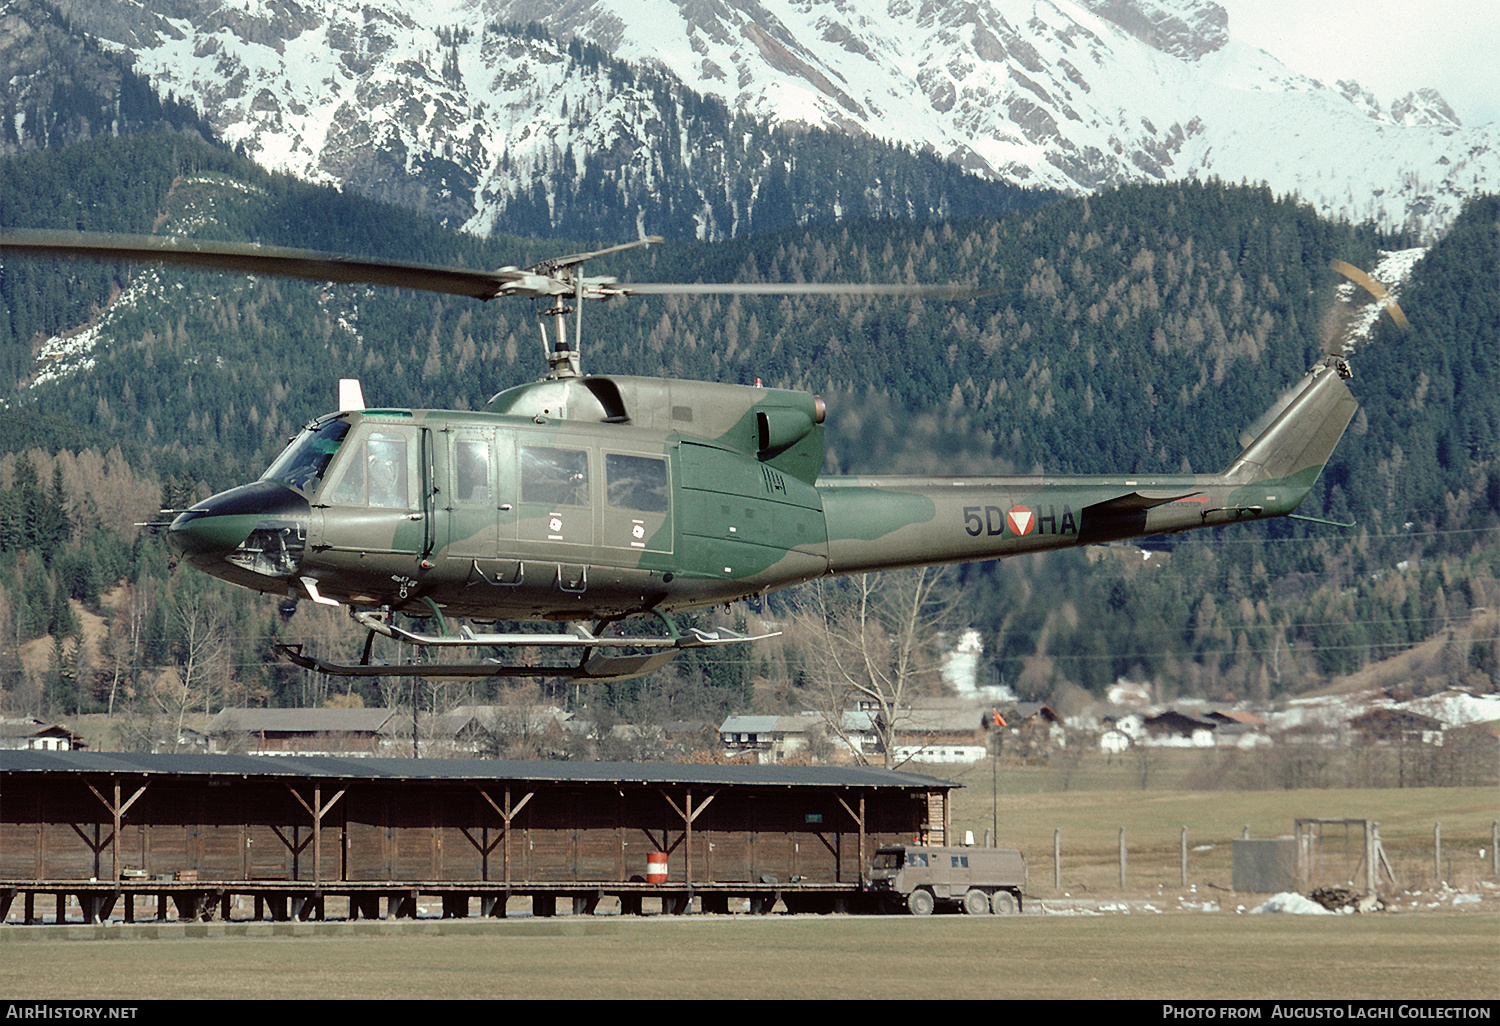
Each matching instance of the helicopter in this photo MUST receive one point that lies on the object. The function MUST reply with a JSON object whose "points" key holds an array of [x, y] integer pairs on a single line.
{"points": [[587, 500]]}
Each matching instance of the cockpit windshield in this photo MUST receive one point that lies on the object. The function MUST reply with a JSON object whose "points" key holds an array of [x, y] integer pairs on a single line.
{"points": [[302, 464]]}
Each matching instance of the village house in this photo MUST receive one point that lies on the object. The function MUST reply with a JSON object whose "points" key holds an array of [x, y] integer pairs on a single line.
{"points": [[772, 738], [741, 734], [30, 733], [488, 731], [1238, 729], [1180, 730], [941, 731], [1118, 727], [1031, 730], [1397, 726]]}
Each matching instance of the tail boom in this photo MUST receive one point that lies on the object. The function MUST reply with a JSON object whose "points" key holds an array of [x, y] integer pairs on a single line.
{"points": [[879, 523]]}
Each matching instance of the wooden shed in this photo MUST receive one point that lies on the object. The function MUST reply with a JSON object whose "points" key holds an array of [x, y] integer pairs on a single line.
{"points": [[295, 828]]}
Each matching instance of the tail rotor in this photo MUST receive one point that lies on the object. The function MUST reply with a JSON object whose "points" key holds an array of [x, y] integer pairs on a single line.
{"points": [[1349, 319]]}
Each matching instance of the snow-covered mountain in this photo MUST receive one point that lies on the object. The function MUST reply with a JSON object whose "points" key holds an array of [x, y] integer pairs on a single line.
{"points": [[1074, 96], [429, 103], [482, 126]]}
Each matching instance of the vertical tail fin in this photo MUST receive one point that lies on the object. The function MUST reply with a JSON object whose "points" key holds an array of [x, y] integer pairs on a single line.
{"points": [[1299, 441]]}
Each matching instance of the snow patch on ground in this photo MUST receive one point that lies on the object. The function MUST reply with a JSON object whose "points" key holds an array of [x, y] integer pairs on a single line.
{"points": [[1296, 904]]}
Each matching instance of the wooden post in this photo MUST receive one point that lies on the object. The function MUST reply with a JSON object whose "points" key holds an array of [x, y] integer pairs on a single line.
{"points": [[117, 813], [318, 833], [1057, 858], [1437, 852], [687, 814], [1183, 846], [864, 859], [114, 843], [859, 821], [1122, 856], [317, 810], [506, 815]]}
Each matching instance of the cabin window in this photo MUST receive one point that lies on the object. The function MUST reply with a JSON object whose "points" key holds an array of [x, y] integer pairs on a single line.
{"points": [[471, 470], [302, 463], [554, 477], [380, 472], [636, 482]]}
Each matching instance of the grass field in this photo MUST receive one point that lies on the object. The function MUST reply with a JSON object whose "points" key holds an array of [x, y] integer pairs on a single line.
{"points": [[1028, 805], [1448, 955]]}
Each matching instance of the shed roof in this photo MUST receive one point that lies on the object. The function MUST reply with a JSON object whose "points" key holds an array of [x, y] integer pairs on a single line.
{"points": [[1236, 716], [940, 721], [1026, 710], [349, 768], [1175, 719], [30, 726], [750, 725], [310, 721]]}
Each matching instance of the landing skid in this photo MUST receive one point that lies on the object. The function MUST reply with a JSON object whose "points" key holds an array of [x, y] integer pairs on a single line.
{"points": [[592, 664]]}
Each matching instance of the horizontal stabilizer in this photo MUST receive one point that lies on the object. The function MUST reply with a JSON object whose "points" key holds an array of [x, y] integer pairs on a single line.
{"points": [[1137, 501]]}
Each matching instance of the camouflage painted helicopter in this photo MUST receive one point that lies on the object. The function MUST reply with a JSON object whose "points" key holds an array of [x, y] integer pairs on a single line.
{"points": [[594, 498]]}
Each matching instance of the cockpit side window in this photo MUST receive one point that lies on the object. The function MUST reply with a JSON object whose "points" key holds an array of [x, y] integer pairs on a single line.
{"points": [[380, 471], [301, 464]]}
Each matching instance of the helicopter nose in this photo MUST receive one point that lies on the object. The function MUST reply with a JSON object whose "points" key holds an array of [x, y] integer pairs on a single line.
{"points": [[257, 527], [201, 532]]}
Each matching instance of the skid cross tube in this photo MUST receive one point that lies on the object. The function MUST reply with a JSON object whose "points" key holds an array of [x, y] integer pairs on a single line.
{"points": [[592, 665]]}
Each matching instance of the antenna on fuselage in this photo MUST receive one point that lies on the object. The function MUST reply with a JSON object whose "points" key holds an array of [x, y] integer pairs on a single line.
{"points": [[351, 395]]}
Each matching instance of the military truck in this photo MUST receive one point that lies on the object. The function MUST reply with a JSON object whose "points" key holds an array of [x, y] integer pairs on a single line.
{"points": [[920, 879]]}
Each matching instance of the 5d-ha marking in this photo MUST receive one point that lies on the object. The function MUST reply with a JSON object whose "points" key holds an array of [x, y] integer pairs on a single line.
{"points": [[992, 521]]}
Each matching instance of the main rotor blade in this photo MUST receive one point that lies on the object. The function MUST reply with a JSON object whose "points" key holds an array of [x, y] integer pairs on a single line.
{"points": [[797, 289], [554, 263], [293, 263], [532, 282]]}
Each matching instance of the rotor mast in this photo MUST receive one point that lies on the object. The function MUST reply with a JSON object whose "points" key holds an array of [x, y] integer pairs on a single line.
{"points": [[564, 360]]}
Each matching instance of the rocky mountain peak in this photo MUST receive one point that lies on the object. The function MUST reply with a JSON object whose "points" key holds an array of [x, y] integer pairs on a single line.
{"points": [[1424, 107], [1186, 29]]}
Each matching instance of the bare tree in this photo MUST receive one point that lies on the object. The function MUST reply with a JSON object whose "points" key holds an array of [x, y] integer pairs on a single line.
{"points": [[525, 726], [122, 644], [202, 668], [874, 648]]}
